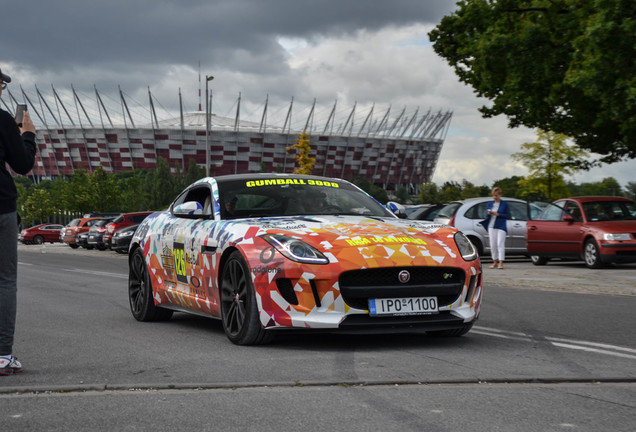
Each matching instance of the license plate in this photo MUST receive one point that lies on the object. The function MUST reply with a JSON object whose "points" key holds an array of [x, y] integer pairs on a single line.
{"points": [[403, 306]]}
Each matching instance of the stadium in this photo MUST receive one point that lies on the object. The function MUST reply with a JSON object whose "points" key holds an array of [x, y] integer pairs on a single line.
{"points": [[81, 131]]}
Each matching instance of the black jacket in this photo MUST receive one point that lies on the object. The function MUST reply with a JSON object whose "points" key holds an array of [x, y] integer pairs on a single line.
{"points": [[19, 152]]}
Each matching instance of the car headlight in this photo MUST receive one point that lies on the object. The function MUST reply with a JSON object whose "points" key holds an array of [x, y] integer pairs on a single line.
{"points": [[617, 236], [466, 247], [295, 250]]}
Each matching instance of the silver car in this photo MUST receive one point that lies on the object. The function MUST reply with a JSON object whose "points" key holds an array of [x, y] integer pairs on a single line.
{"points": [[465, 215]]}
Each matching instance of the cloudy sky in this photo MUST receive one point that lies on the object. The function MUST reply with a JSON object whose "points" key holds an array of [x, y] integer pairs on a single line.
{"points": [[336, 51]]}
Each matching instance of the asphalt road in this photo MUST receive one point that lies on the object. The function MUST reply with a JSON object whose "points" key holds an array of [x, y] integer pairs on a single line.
{"points": [[553, 351]]}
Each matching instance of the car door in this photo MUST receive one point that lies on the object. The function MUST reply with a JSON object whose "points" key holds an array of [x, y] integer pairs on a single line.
{"points": [[517, 225], [551, 234], [185, 242]]}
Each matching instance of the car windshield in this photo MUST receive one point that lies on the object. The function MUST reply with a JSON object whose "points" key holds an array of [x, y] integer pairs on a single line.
{"points": [[294, 196], [597, 211]]}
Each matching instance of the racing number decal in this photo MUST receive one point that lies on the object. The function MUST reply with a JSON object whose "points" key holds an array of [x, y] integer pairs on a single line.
{"points": [[180, 263]]}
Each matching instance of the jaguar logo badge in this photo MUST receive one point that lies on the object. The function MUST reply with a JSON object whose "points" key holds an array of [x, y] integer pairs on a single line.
{"points": [[404, 276]]}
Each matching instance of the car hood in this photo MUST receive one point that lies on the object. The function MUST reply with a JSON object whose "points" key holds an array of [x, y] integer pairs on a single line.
{"points": [[335, 233], [615, 226]]}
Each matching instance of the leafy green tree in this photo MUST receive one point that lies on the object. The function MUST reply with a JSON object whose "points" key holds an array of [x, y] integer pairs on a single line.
{"points": [[469, 190], [402, 195], [630, 190], [548, 160], [134, 196], [195, 172], [450, 191], [566, 66], [375, 191], [608, 186], [509, 186], [162, 186], [78, 195], [38, 207], [429, 193], [105, 189]]}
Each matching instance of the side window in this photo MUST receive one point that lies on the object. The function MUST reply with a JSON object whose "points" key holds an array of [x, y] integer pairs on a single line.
{"points": [[518, 210], [573, 210], [551, 213], [478, 211]]}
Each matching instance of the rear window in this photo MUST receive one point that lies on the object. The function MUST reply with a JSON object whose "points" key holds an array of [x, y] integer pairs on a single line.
{"points": [[449, 210]]}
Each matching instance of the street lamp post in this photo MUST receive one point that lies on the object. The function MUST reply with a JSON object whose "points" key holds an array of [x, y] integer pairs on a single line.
{"points": [[208, 78]]}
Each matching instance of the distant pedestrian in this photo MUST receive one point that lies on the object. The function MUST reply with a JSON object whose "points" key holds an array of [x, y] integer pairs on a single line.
{"points": [[497, 214], [17, 149]]}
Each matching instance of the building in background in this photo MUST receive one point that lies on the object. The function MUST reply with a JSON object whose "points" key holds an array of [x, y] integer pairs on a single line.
{"points": [[80, 131]]}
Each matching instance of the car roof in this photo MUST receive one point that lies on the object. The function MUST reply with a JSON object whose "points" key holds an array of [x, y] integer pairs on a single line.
{"points": [[482, 199], [593, 198]]}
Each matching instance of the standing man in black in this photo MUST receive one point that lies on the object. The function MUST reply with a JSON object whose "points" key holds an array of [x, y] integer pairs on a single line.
{"points": [[17, 150]]}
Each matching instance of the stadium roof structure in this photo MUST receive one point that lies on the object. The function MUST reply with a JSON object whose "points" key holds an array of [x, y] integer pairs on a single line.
{"points": [[77, 130]]}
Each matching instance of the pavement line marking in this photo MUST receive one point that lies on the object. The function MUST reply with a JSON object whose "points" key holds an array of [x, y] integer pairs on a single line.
{"points": [[97, 273], [600, 348], [593, 344], [596, 350], [500, 335]]}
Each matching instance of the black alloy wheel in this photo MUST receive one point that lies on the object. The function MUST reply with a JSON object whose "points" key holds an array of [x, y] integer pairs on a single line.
{"points": [[140, 296], [38, 239], [239, 311]]}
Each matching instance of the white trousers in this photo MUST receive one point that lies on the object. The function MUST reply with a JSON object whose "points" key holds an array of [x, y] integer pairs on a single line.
{"points": [[497, 244]]}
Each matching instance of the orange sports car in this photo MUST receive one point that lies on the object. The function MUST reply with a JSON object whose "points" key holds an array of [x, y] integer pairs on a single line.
{"points": [[265, 252]]}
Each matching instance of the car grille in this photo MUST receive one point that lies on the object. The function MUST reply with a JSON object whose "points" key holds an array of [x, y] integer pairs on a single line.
{"points": [[358, 286]]}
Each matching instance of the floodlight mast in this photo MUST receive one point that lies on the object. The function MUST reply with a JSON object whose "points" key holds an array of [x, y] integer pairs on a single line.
{"points": [[208, 78]]}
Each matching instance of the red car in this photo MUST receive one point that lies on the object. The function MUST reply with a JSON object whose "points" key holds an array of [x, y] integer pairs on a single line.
{"points": [[597, 229], [122, 221], [41, 233]]}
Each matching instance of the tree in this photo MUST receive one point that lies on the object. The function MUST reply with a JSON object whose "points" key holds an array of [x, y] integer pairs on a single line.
{"points": [[566, 66], [630, 190], [301, 148], [195, 172], [402, 195], [38, 206], [548, 160], [509, 186], [451, 191], [429, 193], [608, 186]]}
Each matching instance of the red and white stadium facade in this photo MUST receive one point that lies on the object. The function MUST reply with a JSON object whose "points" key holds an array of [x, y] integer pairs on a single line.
{"points": [[391, 150]]}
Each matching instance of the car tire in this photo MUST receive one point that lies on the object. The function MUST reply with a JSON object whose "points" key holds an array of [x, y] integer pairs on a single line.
{"points": [[38, 239], [539, 260], [591, 255], [461, 331], [140, 293], [239, 311], [73, 246]]}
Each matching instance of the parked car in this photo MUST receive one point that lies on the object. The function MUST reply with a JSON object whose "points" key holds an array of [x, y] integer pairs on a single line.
{"points": [[304, 252], [596, 229], [122, 221], [121, 239], [96, 233], [76, 227], [82, 240], [43, 233], [465, 215], [427, 213]]}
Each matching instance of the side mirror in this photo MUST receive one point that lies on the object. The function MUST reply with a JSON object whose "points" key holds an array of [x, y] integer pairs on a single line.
{"points": [[188, 209], [568, 218], [397, 209]]}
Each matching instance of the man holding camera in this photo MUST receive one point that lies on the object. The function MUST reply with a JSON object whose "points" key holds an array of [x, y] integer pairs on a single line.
{"points": [[17, 149]]}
